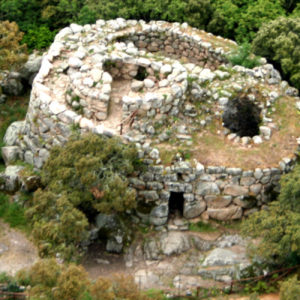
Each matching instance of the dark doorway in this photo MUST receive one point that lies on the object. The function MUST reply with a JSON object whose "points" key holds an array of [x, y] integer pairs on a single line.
{"points": [[242, 116], [141, 73], [176, 203]]}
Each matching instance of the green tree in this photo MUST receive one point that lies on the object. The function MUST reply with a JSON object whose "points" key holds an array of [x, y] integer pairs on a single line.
{"points": [[257, 13], [225, 19], [279, 41]]}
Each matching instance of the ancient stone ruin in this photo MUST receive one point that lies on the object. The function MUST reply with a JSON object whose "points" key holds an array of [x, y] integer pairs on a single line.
{"points": [[169, 89]]}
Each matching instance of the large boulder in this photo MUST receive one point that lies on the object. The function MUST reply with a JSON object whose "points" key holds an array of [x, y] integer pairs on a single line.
{"points": [[10, 154], [174, 243], [11, 84], [159, 215], [231, 212], [31, 67], [13, 132], [10, 180]]}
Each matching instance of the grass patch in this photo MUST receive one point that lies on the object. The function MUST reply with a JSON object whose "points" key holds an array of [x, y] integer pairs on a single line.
{"points": [[12, 213], [202, 227]]}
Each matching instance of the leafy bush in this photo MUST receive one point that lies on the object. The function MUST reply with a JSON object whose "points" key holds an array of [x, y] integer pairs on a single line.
{"points": [[86, 177], [49, 280], [279, 226], [12, 54], [279, 41], [243, 57], [119, 287], [39, 37], [290, 289]]}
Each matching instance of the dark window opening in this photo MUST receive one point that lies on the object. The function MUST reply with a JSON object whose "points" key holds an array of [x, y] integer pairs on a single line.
{"points": [[242, 116], [176, 203], [141, 74]]}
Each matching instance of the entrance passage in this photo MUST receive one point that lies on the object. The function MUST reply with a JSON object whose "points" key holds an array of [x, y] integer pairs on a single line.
{"points": [[176, 203], [242, 117]]}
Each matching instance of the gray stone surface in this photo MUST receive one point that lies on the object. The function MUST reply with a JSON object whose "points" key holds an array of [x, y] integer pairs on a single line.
{"points": [[174, 243], [13, 132]]}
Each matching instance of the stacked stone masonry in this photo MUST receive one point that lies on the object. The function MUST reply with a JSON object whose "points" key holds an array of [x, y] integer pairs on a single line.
{"points": [[165, 71]]}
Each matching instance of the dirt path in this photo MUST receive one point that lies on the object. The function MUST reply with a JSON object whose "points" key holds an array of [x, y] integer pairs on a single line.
{"points": [[16, 251]]}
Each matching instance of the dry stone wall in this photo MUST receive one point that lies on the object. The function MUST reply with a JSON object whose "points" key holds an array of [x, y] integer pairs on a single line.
{"points": [[133, 79]]}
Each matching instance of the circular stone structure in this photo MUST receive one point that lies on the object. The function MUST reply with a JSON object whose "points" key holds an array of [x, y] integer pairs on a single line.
{"points": [[169, 89]]}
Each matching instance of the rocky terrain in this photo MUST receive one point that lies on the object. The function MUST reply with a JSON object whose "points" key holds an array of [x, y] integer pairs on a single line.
{"points": [[215, 139]]}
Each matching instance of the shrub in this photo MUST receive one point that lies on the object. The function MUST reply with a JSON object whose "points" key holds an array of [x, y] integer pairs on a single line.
{"points": [[279, 41], [243, 57], [50, 281], [290, 289], [39, 37], [72, 283], [12, 54], [279, 226], [86, 177]]}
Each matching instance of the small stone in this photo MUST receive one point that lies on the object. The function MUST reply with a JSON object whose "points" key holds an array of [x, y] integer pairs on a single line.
{"points": [[137, 85], [257, 140], [75, 62], [165, 69], [149, 83]]}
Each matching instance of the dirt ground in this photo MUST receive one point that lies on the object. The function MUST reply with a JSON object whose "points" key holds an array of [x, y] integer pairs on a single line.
{"points": [[16, 251]]}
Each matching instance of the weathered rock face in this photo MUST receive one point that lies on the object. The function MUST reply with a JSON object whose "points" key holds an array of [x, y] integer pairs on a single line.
{"points": [[110, 227], [191, 262], [149, 74]]}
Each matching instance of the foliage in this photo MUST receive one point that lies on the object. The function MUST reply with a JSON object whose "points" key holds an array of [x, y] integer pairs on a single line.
{"points": [[39, 37], [71, 283], [279, 226], [49, 280], [290, 289], [257, 13], [240, 20], [12, 54], [243, 57], [279, 41], [119, 287], [87, 176], [235, 19]]}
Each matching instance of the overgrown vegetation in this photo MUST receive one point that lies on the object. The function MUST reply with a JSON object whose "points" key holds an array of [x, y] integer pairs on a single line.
{"points": [[86, 177], [50, 281], [290, 289], [279, 41], [279, 225]]}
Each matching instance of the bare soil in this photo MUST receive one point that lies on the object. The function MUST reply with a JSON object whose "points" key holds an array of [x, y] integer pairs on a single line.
{"points": [[210, 146], [17, 251]]}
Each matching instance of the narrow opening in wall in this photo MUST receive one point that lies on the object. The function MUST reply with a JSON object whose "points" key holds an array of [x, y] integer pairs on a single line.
{"points": [[141, 73], [176, 203], [242, 116]]}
